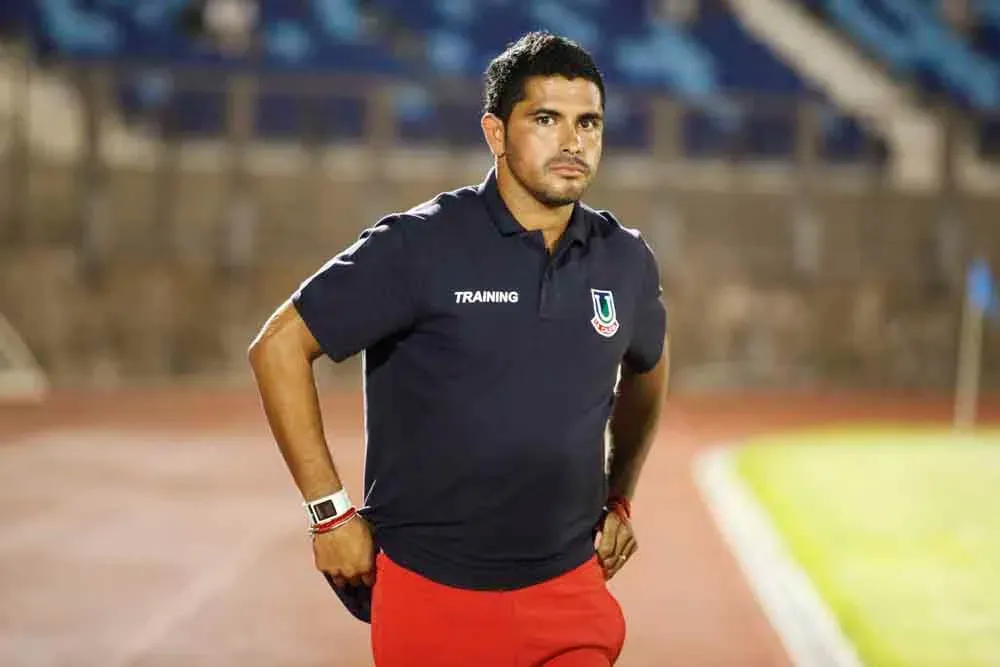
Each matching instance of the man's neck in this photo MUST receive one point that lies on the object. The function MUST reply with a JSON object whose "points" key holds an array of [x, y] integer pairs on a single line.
{"points": [[528, 211]]}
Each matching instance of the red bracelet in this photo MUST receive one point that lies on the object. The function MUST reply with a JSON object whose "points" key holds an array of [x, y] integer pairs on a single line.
{"points": [[335, 522], [621, 506]]}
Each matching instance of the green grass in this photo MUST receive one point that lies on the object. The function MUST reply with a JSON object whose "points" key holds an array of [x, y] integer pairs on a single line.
{"points": [[899, 530]]}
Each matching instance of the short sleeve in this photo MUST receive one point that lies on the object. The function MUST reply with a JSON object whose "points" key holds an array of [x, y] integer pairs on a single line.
{"points": [[364, 294], [650, 330]]}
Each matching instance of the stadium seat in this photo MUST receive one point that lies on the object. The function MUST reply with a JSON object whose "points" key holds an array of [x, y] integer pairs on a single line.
{"points": [[913, 42], [712, 65]]}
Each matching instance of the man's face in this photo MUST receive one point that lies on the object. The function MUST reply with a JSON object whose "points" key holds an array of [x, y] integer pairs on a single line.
{"points": [[553, 139]]}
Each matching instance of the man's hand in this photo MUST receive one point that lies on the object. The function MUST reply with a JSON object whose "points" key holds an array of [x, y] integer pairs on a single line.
{"points": [[346, 553], [617, 543]]}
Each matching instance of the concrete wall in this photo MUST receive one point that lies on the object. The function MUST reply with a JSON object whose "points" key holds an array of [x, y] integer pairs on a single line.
{"points": [[869, 295]]}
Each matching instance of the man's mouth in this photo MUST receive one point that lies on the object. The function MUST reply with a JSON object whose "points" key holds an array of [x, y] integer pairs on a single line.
{"points": [[569, 168]]}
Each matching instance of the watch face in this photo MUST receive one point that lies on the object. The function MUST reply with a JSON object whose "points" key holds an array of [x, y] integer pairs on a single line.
{"points": [[324, 510]]}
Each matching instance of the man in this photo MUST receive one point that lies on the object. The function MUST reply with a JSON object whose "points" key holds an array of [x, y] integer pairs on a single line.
{"points": [[495, 321]]}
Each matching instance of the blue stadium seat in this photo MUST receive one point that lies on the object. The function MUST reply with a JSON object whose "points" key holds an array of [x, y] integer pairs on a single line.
{"points": [[13, 16], [911, 39], [708, 64], [986, 40]]}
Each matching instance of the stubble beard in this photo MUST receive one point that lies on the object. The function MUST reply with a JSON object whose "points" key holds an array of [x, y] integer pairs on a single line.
{"points": [[545, 197]]}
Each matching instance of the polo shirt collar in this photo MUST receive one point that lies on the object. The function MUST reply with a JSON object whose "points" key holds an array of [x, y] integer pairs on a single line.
{"points": [[578, 228]]}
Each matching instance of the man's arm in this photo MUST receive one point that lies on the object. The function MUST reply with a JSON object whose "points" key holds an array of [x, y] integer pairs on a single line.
{"points": [[363, 294], [634, 418], [633, 425], [282, 357], [634, 421], [360, 296]]}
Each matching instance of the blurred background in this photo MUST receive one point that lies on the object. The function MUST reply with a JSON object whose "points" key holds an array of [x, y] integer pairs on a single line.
{"points": [[814, 175], [820, 180]]}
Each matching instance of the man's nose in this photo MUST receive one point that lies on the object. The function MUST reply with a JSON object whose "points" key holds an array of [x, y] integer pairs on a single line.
{"points": [[573, 142]]}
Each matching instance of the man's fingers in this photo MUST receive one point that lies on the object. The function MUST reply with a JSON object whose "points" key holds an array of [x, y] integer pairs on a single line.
{"points": [[346, 555], [608, 545], [629, 547], [366, 572], [354, 573]]}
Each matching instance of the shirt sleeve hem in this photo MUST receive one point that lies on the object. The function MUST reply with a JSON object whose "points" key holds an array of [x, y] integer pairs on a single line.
{"points": [[315, 327]]}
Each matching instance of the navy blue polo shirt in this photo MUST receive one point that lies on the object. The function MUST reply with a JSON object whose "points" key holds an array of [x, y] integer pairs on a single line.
{"points": [[490, 367]]}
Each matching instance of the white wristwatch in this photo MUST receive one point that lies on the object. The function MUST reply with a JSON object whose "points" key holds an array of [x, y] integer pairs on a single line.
{"points": [[327, 507]]}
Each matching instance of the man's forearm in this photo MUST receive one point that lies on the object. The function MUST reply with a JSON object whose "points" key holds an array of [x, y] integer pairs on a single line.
{"points": [[633, 426], [288, 394]]}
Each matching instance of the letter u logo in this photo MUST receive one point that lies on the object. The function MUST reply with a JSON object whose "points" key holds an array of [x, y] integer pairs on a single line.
{"points": [[605, 320]]}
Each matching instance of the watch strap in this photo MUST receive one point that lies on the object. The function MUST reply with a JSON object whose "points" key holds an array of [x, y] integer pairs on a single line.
{"points": [[328, 507]]}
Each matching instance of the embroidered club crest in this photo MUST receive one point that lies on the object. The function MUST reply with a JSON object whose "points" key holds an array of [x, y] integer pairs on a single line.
{"points": [[605, 318]]}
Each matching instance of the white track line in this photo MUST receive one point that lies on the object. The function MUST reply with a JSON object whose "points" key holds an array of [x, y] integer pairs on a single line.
{"points": [[804, 623], [192, 598]]}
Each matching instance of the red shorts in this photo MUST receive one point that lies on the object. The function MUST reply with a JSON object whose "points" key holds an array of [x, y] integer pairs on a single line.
{"points": [[570, 621]]}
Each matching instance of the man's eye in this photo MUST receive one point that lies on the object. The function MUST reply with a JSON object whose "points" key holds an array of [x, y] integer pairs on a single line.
{"points": [[543, 120]]}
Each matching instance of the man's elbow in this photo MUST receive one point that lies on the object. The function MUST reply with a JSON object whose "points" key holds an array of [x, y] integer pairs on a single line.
{"points": [[269, 344], [255, 352], [260, 350], [283, 341], [273, 358]]}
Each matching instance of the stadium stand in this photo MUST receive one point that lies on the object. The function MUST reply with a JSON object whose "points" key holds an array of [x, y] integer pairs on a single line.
{"points": [[984, 35], [913, 41], [711, 63]]}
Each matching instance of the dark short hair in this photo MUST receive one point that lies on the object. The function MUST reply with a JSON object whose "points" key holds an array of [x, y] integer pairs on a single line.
{"points": [[535, 54]]}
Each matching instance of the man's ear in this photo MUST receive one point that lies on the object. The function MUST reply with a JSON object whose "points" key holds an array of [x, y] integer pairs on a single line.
{"points": [[495, 134]]}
